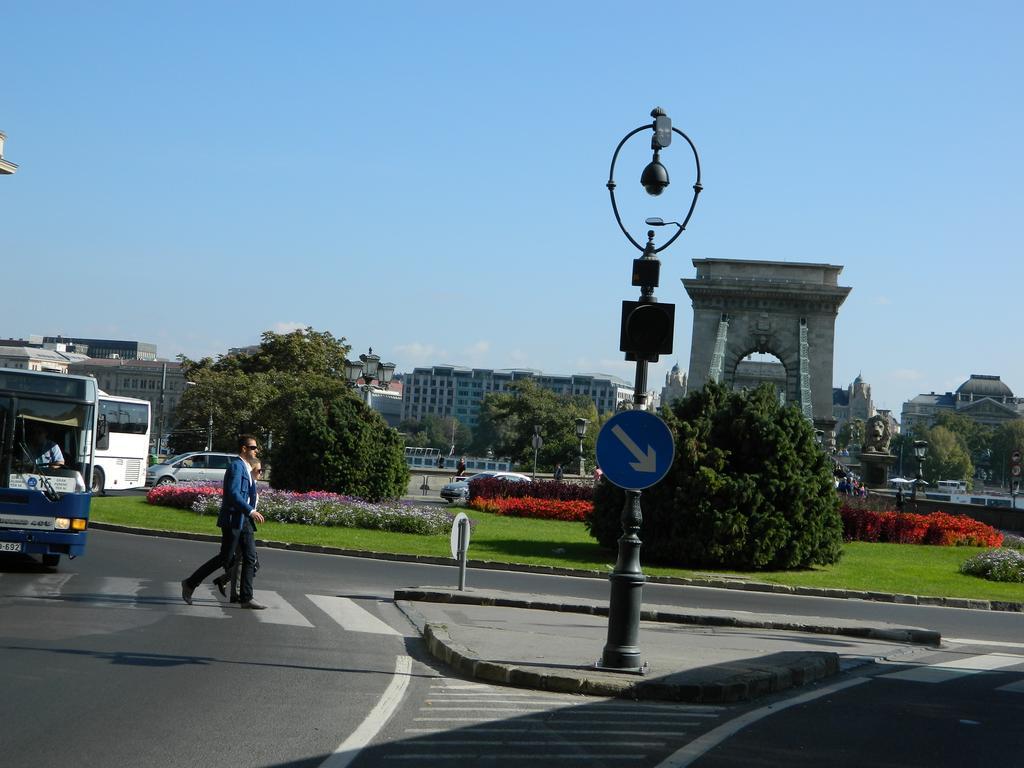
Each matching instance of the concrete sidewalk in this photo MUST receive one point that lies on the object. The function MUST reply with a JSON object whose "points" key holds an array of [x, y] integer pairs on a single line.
{"points": [[708, 656]]}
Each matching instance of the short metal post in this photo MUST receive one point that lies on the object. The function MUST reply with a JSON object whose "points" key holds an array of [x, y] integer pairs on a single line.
{"points": [[462, 552]]}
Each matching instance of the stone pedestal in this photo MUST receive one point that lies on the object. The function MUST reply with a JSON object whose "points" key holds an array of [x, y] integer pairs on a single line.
{"points": [[875, 468]]}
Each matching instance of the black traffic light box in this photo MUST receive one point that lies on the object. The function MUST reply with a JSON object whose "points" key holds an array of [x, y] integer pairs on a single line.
{"points": [[647, 329]]}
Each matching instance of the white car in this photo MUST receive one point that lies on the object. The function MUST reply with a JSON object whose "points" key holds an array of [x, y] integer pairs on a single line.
{"points": [[459, 488], [197, 465]]}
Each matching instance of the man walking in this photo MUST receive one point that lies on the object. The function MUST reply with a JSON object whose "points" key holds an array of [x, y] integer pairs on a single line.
{"points": [[237, 513]]}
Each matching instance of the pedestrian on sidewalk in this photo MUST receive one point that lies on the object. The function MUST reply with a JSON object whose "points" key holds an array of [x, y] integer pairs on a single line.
{"points": [[558, 472], [237, 527]]}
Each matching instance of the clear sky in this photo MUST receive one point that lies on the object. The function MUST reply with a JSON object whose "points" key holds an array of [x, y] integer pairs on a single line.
{"points": [[429, 178]]}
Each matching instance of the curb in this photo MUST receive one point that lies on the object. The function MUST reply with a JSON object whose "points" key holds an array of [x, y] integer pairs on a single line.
{"points": [[898, 634], [713, 583], [744, 683]]}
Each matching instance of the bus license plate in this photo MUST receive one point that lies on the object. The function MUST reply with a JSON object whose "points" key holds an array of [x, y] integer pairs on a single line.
{"points": [[10, 546]]}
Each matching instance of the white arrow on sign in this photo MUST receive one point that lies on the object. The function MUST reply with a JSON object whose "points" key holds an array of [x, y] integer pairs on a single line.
{"points": [[645, 462]]}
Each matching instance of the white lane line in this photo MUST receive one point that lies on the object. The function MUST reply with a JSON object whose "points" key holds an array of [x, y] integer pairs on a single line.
{"points": [[1017, 687], [993, 643], [949, 670], [279, 610], [350, 616], [350, 748], [514, 731], [491, 756], [46, 585], [702, 744], [522, 743]]}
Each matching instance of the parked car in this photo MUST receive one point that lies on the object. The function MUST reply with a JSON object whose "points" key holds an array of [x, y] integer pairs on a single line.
{"points": [[197, 465], [459, 488]]}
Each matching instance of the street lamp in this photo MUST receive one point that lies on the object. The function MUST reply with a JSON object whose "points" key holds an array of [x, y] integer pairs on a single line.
{"points": [[369, 368], [646, 333], [581, 430], [920, 452]]}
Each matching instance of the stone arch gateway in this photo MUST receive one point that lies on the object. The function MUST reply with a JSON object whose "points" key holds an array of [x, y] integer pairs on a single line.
{"points": [[781, 308]]}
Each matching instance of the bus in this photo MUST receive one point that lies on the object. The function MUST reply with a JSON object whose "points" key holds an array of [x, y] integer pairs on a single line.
{"points": [[47, 428], [122, 444]]}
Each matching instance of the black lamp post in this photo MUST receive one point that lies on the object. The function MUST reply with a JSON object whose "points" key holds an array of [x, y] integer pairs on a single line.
{"points": [[581, 430], [920, 453], [646, 333], [369, 368]]}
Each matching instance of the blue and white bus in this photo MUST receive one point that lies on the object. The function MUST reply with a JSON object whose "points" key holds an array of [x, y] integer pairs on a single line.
{"points": [[47, 429]]}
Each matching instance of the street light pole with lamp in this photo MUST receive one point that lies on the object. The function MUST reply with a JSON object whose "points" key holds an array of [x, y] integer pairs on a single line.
{"points": [[581, 430], [369, 368], [920, 453], [646, 332]]}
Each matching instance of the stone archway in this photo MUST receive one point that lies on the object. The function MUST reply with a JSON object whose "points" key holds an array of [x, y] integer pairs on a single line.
{"points": [[781, 308]]}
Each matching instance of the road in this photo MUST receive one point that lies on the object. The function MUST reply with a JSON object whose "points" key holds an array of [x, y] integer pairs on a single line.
{"points": [[103, 664]]}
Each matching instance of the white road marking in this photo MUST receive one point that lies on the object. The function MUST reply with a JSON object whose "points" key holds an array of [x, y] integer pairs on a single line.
{"points": [[702, 744], [350, 616], [511, 756], [1017, 687], [994, 643], [279, 610], [46, 585], [205, 604], [949, 670], [349, 749]]}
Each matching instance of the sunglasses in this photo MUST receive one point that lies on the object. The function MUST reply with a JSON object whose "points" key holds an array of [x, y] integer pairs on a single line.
{"points": [[253, 447]]}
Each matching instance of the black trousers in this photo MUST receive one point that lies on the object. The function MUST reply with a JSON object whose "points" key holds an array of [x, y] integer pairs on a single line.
{"points": [[245, 540]]}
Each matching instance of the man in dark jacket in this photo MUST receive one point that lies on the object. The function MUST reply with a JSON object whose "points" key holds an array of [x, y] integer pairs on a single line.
{"points": [[237, 529]]}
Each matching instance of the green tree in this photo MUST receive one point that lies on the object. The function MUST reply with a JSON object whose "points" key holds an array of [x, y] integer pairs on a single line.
{"points": [[948, 457], [851, 433], [332, 441], [507, 422], [433, 431], [1006, 439], [749, 488]]}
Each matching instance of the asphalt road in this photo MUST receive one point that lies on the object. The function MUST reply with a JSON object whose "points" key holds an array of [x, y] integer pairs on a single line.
{"points": [[103, 664]]}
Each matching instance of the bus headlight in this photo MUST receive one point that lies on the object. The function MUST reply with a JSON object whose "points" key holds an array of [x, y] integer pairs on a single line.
{"points": [[61, 523]]}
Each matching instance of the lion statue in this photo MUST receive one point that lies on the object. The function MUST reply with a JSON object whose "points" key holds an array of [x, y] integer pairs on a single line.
{"points": [[877, 435]]}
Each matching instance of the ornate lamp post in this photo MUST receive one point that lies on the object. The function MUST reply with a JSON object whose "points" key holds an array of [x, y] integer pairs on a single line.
{"points": [[920, 453], [369, 368], [647, 328], [581, 430]]}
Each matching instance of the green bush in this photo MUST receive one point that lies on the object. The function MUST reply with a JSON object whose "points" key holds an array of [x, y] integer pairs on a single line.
{"points": [[749, 489], [335, 443]]}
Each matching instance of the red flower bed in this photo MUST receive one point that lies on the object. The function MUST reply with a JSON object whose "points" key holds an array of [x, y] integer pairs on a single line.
{"points": [[526, 506], [908, 528], [182, 495]]}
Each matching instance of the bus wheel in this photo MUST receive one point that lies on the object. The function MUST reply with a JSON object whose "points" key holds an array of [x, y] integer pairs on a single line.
{"points": [[51, 561], [98, 483]]}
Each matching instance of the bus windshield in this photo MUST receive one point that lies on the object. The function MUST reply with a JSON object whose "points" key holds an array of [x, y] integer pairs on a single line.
{"points": [[44, 437]]}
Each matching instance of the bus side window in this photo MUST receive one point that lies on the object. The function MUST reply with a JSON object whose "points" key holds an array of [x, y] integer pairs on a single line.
{"points": [[102, 433]]}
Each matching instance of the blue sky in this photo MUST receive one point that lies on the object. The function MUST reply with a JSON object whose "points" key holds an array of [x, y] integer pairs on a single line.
{"points": [[429, 178]]}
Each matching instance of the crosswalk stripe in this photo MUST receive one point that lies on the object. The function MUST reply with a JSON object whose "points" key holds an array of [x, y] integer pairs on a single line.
{"points": [[350, 616], [949, 670], [46, 585], [279, 610], [205, 604]]}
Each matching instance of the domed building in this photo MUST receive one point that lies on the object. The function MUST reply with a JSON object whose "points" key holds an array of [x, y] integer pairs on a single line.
{"points": [[982, 398], [675, 386], [852, 403]]}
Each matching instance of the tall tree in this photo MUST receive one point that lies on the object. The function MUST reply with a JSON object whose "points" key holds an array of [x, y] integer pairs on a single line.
{"points": [[749, 488], [508, 421], [948, 457], [1007, 438]]}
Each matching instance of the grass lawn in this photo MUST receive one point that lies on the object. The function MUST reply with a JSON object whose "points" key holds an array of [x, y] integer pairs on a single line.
{"points": [[904, 568]]}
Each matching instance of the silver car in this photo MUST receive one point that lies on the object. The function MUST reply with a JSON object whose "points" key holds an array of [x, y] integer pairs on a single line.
{"points": [[459, 488], [197, 465]]}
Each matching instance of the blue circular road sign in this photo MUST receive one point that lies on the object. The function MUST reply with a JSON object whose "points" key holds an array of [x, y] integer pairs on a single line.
{"points": [[635, 449]]}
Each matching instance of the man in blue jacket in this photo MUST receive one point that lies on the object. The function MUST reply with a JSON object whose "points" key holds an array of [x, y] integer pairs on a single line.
{"points": [[237, 529]]}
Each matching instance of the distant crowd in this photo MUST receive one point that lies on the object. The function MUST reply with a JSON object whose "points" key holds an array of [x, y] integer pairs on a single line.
{"points": [[850, 487]]}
